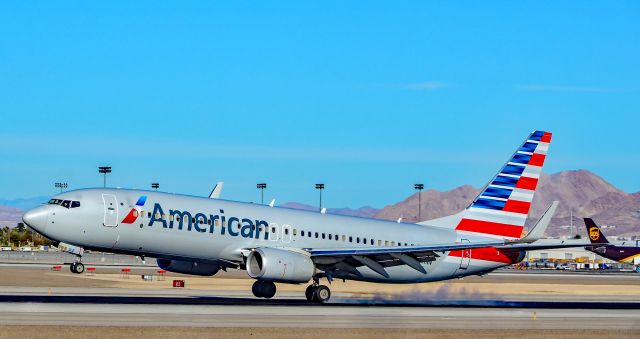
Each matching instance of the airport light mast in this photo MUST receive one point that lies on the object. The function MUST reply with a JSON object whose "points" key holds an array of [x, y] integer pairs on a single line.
{"points": [[155, 185], [419, 187], [104, 170], [261, 186], [320, 187], [61, 185]]}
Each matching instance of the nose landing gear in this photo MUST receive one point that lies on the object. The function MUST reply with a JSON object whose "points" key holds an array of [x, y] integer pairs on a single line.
{"points": [[77, 267]]}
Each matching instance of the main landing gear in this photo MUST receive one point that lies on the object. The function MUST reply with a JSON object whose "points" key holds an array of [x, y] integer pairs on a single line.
{"points": [[263, 289], [77, 267], [317, 293]]}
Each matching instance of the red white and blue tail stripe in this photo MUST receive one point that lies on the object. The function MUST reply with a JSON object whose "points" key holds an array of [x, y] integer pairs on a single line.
{"points": [[502, 207]]}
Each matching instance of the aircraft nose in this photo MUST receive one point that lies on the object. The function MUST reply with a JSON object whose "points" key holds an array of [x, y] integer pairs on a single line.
{"points": [[37, 217]]}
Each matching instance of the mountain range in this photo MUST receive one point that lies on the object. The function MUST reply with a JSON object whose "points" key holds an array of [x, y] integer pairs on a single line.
{"points": [[581, 194]]}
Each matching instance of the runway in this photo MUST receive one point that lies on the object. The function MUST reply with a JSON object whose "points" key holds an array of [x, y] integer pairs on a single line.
{"points": [[314, 316], [36, 300]]}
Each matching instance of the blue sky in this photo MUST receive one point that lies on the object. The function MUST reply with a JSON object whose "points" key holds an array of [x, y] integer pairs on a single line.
{"points": [[367, 97]]}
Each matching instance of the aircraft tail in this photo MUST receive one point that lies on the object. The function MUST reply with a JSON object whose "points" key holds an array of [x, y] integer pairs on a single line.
{"points": [[594, 232], [502, 207]]}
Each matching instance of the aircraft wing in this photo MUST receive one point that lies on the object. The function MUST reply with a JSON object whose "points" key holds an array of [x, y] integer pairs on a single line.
{"points": [[401, 249], [347, 259]]}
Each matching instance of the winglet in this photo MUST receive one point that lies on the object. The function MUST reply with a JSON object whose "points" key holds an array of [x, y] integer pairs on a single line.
{"points": [[217, 190], [323, 210], [536, 232], [273, 202]]}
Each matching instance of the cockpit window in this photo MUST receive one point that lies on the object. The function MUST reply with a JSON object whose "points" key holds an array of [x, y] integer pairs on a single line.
{"points": [[64, 203]]}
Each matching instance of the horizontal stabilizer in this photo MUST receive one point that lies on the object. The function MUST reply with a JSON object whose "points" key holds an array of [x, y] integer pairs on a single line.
{"points": [[536, 232]]}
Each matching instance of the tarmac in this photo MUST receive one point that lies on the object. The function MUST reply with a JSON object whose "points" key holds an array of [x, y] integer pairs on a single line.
{"points": [[506, 303]]}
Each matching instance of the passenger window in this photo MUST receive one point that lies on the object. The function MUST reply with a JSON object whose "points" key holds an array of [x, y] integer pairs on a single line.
{"points": [[273, 230], [286, 231], [350, 239], [371, 241], [344, 237], [75, 204], [386, 242], [323, 235], [295, 231], [302, 233], [316, 235], [337, 237], [309, 234], [393, 243], [364, 241], [330, 236], [358, 240], [379, 242]]}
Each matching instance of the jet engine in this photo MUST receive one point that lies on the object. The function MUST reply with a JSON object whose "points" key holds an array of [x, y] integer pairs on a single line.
{"points": [[188, 267], [279, 265]]}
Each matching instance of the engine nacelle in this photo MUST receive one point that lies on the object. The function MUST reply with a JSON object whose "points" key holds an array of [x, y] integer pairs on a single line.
{"points": [[279, 265], [188, 267]]}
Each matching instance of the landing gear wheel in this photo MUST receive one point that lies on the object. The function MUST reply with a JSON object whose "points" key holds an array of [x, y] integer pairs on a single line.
{"points": [[309, 292], [269, 290], [72, 267], [321, 294], [79, 268], [256, 289], [263, 289]]}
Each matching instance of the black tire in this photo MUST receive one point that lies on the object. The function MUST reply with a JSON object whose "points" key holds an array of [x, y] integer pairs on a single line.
{"points": [[322, 294], [257, 289], [308, 293], [79, 268], [72, 267], [268, 290]]}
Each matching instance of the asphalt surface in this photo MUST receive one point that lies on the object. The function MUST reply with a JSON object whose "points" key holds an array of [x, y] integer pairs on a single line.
{"points": [[62, 299], [313, 316]]}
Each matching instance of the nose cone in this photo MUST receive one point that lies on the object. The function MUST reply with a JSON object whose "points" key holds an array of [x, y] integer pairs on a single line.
{"points": [[37, 218]]}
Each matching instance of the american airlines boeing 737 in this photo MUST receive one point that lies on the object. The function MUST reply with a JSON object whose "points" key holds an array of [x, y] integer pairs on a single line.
{"points": [[200, 236]]}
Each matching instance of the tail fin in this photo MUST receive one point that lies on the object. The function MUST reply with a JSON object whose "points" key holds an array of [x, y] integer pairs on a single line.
{"points": [[501, 209], [594, 232]]}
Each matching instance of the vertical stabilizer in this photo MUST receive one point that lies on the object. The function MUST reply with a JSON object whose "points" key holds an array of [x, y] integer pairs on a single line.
{"points": [[502, 207]]}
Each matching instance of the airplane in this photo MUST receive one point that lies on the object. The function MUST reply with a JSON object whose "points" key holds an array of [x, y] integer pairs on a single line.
{"points": [[200, 236], [602, 247]]}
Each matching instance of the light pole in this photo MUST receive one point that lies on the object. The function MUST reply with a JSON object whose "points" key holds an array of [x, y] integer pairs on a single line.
{"points": [[320, 187], [104, 170], [61, 185], [261, 186], [419, 187], [155, 185]]}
